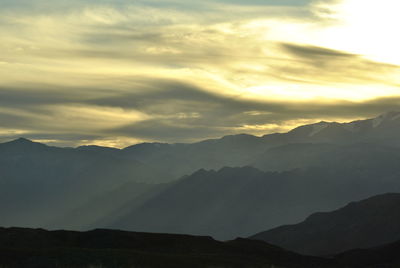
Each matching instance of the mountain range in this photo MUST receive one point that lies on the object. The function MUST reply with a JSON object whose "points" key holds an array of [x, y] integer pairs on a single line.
{"points": [[38, 248], [234, 186], [114, 249], [235, 202]]}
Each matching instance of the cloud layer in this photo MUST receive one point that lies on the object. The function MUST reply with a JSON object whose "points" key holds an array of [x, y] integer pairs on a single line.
{"points": [[112, 73]]}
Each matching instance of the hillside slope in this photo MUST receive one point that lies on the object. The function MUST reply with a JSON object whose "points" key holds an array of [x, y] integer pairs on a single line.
{"points": [[236, 202], [116, 249], [364, 224]]}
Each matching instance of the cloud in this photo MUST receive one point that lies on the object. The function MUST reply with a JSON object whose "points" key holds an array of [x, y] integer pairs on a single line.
{"points": [[323, 65], [166, 110], [114, 73], [217, 117], [314, 52]]}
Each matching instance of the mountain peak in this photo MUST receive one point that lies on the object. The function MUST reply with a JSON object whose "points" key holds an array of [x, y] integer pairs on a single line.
{"points": [[22, 143], [22, 140]]}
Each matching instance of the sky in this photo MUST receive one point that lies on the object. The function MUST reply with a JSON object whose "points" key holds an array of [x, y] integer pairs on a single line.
{"points": [[119, 72]]}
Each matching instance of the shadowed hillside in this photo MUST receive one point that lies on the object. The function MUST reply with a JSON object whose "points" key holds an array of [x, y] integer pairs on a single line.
{"points": [[38, 248], [235, 202], [106, 248], [364, 224]]}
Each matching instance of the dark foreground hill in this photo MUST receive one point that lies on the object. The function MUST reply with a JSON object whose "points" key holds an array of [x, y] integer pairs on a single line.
{"points": [[364, 224], [106, 248], [378, 257], [38, 248]]}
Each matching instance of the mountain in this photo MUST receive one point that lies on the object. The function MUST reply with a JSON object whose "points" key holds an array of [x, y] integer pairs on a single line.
{"points": [[39, 183], [111, 248], [373, 157], [364, 224], [380, 130], [38, 248], [235, 202], [176, 160], [184, 159], [46, 186], [383, 256], [248, 150]]}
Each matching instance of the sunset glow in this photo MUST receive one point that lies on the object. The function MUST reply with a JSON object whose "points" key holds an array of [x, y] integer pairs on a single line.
{"points": [[114, 72]]}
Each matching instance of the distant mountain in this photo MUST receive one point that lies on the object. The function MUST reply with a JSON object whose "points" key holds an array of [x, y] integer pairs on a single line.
{"points": [[248, 150], [39, 183], [42, 185], [112, 249], [235, 202], [379, 130], [364, 224], [375, 158], [177, 160], [184, 159]]}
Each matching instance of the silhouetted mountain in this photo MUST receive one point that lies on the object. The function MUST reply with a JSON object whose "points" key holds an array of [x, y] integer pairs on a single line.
{"points": [[242, 201], [364, 224], [106, 248], [38, 248], [386, 256]]}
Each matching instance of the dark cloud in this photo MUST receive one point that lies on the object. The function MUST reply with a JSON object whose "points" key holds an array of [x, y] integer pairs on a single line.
{"points": [[307, 52], [92, 41], [269, 2], [170, 130], [13, 97], [111, 36], [214, 124], [176, 111], [162, 97], [11, 120], [318, 65], [183, 112], [37, 95]]}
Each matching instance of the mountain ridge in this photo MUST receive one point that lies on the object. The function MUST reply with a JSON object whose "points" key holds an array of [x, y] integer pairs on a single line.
{"points": [[52, 182], [367, 223], [23, 247], [237, 201], [317, 127]]}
